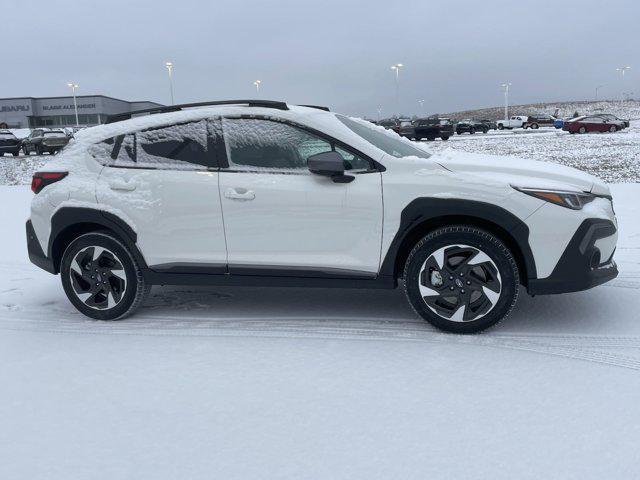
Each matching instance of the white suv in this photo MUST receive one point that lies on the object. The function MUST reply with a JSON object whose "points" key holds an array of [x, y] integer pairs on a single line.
{"points": [[270, 194]]}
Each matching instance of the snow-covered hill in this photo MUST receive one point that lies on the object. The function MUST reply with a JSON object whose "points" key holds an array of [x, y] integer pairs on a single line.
{"points": [[627, 109]]}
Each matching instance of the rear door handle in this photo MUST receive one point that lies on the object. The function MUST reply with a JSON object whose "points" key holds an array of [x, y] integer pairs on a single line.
{"points": [[239, 194], [122, 185]]}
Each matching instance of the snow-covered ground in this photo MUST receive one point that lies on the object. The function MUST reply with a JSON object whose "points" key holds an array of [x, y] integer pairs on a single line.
{"points": [[614, 157], [298, 383]]}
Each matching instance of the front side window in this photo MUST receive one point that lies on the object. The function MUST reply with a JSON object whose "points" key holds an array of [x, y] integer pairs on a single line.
{"points": [[256, 144]]}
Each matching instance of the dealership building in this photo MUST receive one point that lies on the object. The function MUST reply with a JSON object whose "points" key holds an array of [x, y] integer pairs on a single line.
{"points": [[30, 112]]}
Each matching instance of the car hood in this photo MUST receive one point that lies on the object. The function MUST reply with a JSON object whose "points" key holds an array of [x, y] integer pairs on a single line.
{"points": [[520, 172]]}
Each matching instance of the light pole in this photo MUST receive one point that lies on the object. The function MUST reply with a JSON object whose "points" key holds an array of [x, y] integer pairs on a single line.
{"points": [[598, 88], [257, 84], [622, 70], [73, 87], [397, 68], [169, 66], [506, 99], [421, 102]]}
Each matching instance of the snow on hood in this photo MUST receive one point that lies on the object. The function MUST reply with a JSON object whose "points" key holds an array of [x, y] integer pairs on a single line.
{"points": [[521, 172]]}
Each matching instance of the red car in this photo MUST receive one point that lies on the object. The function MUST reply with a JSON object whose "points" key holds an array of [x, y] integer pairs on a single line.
{"points": [[591, 123]]}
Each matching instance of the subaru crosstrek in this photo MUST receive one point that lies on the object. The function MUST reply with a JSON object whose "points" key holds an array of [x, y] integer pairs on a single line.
{"points": [[269, 194]]}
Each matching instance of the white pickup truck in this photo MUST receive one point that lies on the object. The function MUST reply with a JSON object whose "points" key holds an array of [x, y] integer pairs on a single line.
{"points": [[516, 121]]}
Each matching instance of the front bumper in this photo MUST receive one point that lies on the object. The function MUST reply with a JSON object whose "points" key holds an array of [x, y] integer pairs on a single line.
{"points": [[36, 255], [581, 266]]}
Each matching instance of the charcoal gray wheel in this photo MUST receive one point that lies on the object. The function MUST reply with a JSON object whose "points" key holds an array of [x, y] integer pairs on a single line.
{"points": [[101, 277], [461, 279]]}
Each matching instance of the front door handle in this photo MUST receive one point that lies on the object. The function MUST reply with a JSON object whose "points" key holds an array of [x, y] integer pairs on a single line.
{"points": [[122, 185], [239, 194]]}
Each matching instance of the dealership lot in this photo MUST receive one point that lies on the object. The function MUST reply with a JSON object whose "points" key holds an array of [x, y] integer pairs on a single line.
{"points": [[204, 375], [614, 157]]}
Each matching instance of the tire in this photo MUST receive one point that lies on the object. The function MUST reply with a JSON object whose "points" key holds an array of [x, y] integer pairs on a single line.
{"points": [[25, 150], [472, 131], [16, 153], [110, 293], [488, 290], [430, 138], [485, 130], [582, 130], [500, 126], [613, 129], [535, 126], [444, 137]]}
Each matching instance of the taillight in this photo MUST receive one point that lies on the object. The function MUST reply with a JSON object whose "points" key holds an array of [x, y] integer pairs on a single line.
{"points": [[42, 179]]}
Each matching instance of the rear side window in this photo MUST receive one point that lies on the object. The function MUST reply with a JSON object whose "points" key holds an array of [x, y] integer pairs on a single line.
{"points": [[177, 147]]}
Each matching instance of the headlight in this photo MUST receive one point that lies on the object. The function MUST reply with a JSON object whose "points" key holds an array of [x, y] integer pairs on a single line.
{"points": [[572, 200]]}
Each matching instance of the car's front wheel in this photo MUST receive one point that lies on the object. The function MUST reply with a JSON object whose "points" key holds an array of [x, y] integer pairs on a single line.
{"points": [[101, 277], [461, 279]]}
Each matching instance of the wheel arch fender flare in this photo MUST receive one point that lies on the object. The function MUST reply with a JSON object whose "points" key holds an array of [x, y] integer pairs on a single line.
{"points": [[425, 214], [70, 222]]}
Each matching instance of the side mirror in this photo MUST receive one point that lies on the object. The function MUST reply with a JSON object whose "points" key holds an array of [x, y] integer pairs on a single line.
{"points": [[329, 164]]}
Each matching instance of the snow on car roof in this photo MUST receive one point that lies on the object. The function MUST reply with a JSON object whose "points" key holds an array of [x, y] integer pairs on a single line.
{"points": [[102, 132]]}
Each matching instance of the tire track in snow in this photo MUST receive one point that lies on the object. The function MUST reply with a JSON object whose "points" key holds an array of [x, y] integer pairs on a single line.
{"points": [[567, 346]]}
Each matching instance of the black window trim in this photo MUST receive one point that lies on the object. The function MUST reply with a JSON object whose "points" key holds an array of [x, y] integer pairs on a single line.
{"points": [[223, 163]]}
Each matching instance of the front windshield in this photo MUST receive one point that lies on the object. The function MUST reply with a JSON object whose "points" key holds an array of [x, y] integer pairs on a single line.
{"points": [[386, 141]]}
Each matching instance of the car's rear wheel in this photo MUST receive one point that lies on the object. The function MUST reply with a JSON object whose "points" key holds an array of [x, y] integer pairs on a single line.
{"points": [[430, 138], [461, 279], [613, 129], [535, 126], [445, 137], [582, 130], [485, 130], [101, 277]]}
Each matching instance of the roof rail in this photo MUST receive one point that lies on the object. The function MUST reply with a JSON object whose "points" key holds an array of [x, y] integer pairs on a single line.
{"points": [[326, 109], [175, 108]]}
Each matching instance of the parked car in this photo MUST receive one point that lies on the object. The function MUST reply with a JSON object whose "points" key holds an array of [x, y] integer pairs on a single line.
{"points": [[42, 140], [390, 124], [516, 121], [141, 202], [539, 120], [591, 123], [471, 126], [9, 143], [432, 128], [491, 124], [614, 119], [407, 129]]}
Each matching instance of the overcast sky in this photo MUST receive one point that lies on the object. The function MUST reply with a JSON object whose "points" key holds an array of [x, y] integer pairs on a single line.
{"points": [[334, 53]]}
